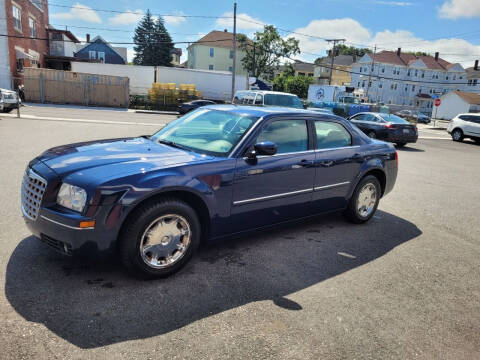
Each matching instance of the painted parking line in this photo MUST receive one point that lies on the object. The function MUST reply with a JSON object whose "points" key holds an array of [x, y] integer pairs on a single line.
{"points": [[92, 121], [434, 138]]}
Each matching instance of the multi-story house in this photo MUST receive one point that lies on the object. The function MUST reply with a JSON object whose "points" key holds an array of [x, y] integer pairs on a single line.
{"points": [[214, 51], [100, 50], [342, 65], [62, 47], [405, 79], [473, 79], [26, 26], [300, 68]]}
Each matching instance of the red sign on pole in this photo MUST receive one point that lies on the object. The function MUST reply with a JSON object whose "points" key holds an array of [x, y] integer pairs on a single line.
{"points": [[437, 102]]}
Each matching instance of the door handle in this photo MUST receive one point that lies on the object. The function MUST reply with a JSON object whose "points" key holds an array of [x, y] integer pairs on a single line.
{"points": [[306, 163], [357, 156]]}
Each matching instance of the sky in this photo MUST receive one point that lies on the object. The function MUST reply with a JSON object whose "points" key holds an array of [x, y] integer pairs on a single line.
{"points": [[451, 27]]}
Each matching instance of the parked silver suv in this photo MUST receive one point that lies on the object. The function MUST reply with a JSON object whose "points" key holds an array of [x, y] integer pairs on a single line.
{"points": [[8, 100], [465, 126]]}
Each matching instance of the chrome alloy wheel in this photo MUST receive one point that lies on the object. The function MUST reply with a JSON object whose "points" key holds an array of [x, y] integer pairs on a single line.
{"points": [[367, 197], [165, 241], [457, 135]]}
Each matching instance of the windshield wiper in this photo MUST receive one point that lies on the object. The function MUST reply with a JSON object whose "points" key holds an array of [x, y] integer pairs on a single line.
{"points": [[174, 144]]}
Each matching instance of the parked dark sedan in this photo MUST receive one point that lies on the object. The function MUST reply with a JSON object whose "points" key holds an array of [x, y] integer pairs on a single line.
{"points": [[386, 127], [217, 171], [192, 105], [413, 116]]}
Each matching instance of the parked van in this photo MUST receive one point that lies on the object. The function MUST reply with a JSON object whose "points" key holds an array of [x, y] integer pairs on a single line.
{"points": [[267, 98]]}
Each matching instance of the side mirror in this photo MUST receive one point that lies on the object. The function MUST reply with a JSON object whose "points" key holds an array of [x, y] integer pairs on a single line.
{"points": [[265, 148]]}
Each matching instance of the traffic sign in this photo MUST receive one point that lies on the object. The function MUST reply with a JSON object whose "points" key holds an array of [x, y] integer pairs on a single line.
{"points": [[437, 102]]}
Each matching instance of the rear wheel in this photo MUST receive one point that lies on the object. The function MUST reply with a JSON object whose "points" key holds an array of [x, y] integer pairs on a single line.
{"points": [[159, 238], [457, 135], [401, 144], [364, 201]]}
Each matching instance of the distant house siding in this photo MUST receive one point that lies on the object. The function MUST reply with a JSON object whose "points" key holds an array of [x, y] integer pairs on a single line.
{"points": [[111, 57]]}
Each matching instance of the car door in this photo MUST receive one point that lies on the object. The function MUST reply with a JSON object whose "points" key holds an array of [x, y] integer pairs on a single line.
{"points": [[359, 120], [337, 162], [472, 125], [271, 189]]}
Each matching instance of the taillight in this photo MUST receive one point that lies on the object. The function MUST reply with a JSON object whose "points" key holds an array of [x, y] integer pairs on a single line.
{"points": [[396, 158]]}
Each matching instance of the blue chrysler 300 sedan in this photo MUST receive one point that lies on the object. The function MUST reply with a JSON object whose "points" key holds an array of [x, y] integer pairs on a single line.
{"points": [[216, 171]]}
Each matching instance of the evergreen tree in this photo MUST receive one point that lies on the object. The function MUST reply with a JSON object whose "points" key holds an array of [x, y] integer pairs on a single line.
{"points": [[153, 44]]}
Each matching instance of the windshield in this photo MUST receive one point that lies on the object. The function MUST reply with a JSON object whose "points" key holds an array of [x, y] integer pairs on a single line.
{"points": [[206, 131], [394, 119], [282, 100]]}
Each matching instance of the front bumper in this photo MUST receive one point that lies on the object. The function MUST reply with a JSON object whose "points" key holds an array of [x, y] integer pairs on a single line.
{"points": [[62, 232]]}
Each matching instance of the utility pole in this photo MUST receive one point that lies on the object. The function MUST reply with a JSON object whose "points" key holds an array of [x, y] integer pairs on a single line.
{"points": [[335, 41], [254, 58], [234, 48], [371, 70]]}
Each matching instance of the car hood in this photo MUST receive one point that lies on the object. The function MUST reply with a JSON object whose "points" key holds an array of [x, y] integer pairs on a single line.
{"points": [[100, 156]]}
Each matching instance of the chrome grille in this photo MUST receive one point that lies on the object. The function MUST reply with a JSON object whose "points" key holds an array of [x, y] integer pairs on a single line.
{"points": [[33, 187]]}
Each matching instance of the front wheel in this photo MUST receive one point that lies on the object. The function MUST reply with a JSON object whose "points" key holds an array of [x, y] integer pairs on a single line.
{"points": [[159, 238], [364, 201], [401, 144], [457, 135]]}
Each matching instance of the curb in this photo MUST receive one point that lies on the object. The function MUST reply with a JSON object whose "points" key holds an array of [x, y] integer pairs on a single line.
{"points": [[157, 112]]}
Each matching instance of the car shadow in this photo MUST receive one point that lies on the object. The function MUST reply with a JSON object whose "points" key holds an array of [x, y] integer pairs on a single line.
{"points": [[92, 304], [408, 149]]}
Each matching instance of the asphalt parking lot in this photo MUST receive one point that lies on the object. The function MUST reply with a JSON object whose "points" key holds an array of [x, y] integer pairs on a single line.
{"points": [[404, 286]]}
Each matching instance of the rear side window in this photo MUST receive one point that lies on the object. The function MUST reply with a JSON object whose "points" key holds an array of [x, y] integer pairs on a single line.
{"points": [[288, 135], [259, 99], [331, 135], [470, 118]]}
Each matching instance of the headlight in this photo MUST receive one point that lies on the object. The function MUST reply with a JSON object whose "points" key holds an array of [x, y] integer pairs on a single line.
{"points": [[72, 197]]}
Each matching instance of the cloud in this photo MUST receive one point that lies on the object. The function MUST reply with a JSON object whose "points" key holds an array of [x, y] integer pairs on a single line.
{"points": [[453, 50], [454, 9], [393, 3], [244, 22], [126, 18], [80, 12], [175, 20]]}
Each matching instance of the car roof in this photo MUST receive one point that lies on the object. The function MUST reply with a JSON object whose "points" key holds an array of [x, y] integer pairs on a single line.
{"points": [[266, 92], [260, 111]]}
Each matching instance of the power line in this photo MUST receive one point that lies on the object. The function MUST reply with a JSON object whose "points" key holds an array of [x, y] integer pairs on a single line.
{"points": [[137, 13], [121, 30]]}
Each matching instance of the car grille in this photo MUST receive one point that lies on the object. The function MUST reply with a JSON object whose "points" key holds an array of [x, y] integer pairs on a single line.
{"points": [[57, 245], [33, 188]]}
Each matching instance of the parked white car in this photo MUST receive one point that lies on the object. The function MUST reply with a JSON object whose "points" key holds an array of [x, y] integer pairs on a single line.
{"points": [[8, 100], [267, 98], [465, 126]]}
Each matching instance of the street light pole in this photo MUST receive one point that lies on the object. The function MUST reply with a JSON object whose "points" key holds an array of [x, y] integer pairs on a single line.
{"points": [[234, 48]]}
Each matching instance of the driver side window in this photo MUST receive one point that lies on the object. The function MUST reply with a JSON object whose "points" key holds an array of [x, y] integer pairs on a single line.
{"points": [[288, 135]]}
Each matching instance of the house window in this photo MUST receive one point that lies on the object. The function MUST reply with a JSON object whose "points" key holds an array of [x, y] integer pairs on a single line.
{"points": [[363, 83], [423, 74], [380, 85], [406, 87], [358, 85], [455, 77], [396, 85], [231, 54], [17, 18], [394, 71], [101, 56], [211, 52], [416, 72], [474, 82], [408, 72], [20, 65], [92, 54], [37, 3], [360, 69], [229, 68], [383, 70], [33, 27], [413, 88], [210, 67]]}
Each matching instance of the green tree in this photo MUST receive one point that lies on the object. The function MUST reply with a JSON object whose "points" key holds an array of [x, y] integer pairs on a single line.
{"points": [[153, 44], [347, 50], [264, 53], [297, 85]]}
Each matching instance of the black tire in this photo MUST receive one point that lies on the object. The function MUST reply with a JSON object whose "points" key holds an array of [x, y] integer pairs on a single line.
{"points": [[132, 232], [457, 135], [372, 134], [352, 213], [400, 144], [477, 141]]}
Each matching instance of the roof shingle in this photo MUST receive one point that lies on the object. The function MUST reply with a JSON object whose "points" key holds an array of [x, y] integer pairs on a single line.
{"points": [[391, 57]]}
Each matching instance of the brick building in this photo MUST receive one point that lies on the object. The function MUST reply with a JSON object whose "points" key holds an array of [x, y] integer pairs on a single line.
{"points": [[27, 22]]}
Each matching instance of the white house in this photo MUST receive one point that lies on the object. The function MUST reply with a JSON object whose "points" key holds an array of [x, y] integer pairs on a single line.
{"points": [[5, 77], [406, 79], [473, 79], [457, 102]]}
